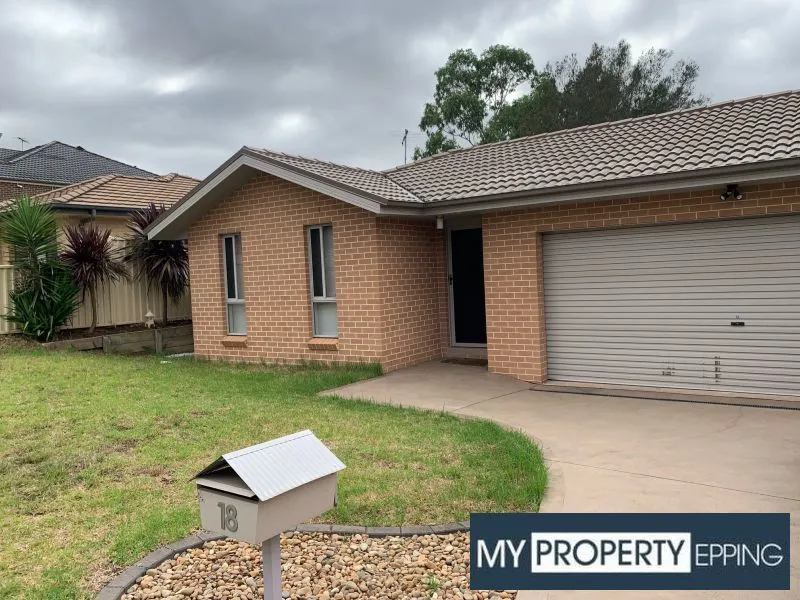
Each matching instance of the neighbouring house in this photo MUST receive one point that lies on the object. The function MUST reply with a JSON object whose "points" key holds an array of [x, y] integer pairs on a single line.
{"points": [[107, 201], [660, 251], [54, 165]]}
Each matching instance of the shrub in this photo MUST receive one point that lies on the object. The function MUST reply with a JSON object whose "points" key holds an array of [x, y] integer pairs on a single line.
{"points": [[44, 295], [164, 264], [91, 257]]}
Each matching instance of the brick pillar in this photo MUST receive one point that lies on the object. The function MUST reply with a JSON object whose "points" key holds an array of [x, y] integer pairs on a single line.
{"points": [[512, 263]]}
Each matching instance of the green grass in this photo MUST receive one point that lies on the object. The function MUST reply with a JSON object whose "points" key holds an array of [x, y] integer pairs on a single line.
{"points": [[97, 453]]}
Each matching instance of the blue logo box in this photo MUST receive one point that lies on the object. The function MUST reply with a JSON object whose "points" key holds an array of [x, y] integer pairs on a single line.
{"points": [[629, 551]]}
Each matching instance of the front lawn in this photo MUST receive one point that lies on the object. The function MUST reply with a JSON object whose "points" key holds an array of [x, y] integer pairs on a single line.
{"points": [[97, 452]]}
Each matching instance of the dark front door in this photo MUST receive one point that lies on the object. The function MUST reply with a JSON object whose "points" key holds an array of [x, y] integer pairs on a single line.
{"points": [[466, 279]]}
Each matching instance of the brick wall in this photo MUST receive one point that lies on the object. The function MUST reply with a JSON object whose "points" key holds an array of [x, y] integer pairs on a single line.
{"points": [[388, 292], [512, 248], [413, 292], [12, 189]]}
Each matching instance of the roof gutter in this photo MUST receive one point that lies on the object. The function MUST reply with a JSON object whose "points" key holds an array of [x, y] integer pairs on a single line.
{"points": [[608, 190]]}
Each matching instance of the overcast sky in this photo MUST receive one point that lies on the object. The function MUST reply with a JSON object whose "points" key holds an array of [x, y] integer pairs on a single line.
{"points": [[179, 85]]}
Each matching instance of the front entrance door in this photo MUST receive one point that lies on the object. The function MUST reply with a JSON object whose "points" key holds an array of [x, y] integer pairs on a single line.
{"points": [[468, 307]]}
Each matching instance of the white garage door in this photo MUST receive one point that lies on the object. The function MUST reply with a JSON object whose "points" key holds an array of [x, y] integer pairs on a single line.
{"points": [[706, 306]]}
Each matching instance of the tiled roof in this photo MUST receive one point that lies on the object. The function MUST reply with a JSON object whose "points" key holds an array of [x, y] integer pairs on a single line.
{"points": [[373, 183], [121, 192], [736, 133], [754, 130], [59, 163]]}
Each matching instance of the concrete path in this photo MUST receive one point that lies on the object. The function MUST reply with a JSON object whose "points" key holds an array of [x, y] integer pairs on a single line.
{"points": [[609, 454]]}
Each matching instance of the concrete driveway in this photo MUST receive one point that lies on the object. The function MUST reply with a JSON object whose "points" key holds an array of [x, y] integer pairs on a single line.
{"points": [[609, 454]]}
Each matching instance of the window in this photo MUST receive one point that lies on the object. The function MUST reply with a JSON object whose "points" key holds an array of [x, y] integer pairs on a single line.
{"points": [[323, 280], [234, 284]]}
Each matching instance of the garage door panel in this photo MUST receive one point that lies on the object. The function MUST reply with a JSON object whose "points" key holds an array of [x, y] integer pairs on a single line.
{"points": [[775, 360], [654, 305], [675, 289], [686, 300], [696, 383], [680, 275], [728, 366]]}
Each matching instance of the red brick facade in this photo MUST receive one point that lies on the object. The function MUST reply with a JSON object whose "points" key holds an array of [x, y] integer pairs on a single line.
{"points": [[388, 304], [391, 273], [512, 247]]}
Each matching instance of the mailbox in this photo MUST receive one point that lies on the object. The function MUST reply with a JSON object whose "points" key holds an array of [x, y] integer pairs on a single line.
{"points": [[255, 493]]}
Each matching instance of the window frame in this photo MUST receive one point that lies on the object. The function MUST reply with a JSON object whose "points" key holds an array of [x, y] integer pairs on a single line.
{"points": [[326, 299], [236, 280]]}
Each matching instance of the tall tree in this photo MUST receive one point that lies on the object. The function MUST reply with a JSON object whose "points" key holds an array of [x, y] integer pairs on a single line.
{"points": [[91, 257], [608, 86], [470, 90], [475, 99], [163, 264]]}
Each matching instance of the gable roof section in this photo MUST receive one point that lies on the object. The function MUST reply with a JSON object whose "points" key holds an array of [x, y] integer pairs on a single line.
{"points": [[755, 139], [372, 183], [60, 164], [121, 192]]}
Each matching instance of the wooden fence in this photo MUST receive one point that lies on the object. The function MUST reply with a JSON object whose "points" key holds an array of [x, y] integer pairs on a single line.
{"points": [[117, 304]]}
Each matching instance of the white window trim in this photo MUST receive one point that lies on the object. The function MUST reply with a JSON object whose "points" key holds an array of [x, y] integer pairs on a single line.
{"points": [[237, 300], [319, 299]]}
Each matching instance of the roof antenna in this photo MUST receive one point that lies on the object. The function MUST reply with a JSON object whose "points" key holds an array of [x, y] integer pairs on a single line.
{"points": [[405, 147], [22, 142]]}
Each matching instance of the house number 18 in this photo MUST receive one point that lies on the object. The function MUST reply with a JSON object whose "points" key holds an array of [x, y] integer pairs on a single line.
{"points": [[227, 516]]}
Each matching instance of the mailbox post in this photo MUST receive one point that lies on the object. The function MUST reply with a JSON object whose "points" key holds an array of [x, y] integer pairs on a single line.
{"points": [[256, 493]]}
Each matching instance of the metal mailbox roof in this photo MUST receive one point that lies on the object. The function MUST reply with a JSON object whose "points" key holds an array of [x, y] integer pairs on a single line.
{"points": [[277, 466]]}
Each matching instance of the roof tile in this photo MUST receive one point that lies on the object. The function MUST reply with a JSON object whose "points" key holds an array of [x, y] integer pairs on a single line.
{"points": [[122, 192], [59, 163]]}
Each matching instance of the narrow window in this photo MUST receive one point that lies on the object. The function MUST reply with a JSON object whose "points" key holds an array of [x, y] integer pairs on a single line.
{"points": [[323, 280], [234, 284]]}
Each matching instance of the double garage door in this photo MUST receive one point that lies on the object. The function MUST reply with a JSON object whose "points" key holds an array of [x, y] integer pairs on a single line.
{"points": [[705, 306]]}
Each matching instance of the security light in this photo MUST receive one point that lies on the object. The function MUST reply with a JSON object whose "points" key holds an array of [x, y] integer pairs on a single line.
{"points": [[732, 191]]}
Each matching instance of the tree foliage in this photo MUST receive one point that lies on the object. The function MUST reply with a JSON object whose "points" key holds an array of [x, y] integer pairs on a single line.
{"points": [[91, 257], [45, 295], [163, 264], [470, 90], [474, 103]]}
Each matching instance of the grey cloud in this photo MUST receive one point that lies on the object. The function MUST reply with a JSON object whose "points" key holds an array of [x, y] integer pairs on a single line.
{"points": [[349, 76]]}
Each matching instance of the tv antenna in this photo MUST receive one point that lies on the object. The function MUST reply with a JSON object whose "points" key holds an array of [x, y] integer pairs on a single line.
{"points": [[22, 142], [405, 147]]}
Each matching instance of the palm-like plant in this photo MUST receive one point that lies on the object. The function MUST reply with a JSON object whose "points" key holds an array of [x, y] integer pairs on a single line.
{"points": [[44, 295], [91, 257], [164, 264]]}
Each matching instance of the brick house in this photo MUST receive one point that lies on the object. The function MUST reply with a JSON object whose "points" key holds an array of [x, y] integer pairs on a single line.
{"points": [[106, 201], [660, 251]]}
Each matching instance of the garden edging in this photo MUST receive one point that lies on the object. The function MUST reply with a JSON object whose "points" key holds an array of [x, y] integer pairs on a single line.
{"points": [[117, 587]]}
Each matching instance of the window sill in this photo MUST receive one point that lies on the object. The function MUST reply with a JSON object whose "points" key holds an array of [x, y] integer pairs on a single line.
{"points": [[235, 341], [330, 344]]}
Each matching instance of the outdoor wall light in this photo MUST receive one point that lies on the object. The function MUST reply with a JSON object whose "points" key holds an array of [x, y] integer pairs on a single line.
{"points": [[732, 191]]}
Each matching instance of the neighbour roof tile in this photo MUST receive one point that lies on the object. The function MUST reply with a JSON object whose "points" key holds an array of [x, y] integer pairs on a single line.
{"points": [[59, 163], [121, 192]]}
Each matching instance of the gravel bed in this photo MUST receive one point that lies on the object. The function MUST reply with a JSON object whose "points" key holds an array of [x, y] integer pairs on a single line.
{"points": [[322, 567]]}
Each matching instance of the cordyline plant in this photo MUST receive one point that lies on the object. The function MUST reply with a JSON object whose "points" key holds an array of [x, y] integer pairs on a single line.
{"points": [[44, 295], [90, 255], [163, 264]]}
